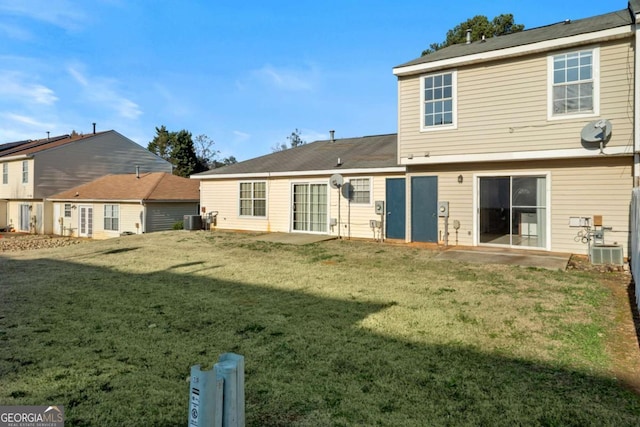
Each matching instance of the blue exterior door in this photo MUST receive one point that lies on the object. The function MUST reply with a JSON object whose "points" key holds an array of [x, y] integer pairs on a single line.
{"points": [[424, 209], [396, 208]]}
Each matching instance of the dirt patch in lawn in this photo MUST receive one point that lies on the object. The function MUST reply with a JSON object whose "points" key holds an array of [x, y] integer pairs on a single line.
{"points": [[623, 344]]}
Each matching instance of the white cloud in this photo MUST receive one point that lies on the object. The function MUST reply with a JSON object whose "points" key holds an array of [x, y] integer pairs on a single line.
{"points": [[288, 79], [61, 13], [25, 120], [102, 92], [15, 86], [240, 136], [15, 32]]}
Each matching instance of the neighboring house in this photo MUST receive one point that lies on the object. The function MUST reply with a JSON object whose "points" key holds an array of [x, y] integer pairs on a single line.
{"points": [[34, 170], [290, 190], [494, 128], [125, 204]]}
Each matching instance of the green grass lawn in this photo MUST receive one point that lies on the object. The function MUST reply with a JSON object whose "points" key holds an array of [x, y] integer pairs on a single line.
{"points": [[338, 333]]}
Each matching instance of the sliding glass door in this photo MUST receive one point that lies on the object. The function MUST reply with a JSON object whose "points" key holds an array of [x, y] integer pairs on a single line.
{"points": [[513, 211], [310, 208]]}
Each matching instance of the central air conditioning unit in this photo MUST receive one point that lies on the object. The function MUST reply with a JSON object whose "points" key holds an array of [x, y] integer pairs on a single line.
{"points": [[192, 222], [607, 254]]}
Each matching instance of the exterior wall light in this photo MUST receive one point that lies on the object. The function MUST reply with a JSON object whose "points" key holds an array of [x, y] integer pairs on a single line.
{"points": [[460, 179]]}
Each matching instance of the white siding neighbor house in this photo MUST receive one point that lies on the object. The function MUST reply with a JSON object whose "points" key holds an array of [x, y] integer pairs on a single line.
{"points": [[124, 204], [33, 170]]}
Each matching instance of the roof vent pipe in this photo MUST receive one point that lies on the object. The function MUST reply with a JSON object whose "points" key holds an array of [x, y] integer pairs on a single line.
{"points": [[332, 135], [137, 171], [48, 135], [469, 36], [94, 128]]}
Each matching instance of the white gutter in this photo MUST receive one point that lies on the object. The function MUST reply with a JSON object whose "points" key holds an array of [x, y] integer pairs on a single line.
{"points": [[636, 104], [599, 36], [18, 157], [328, 172], [515, 156]]}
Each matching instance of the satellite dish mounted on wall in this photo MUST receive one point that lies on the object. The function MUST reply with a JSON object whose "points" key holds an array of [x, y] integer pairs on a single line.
{"points": [[597, 131], [336, 180]]}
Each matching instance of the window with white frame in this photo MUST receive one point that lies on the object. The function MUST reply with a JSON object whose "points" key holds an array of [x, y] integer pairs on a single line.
{"points": [[360, 190], [25, 171], [574, 83], [438, 100], [111, 217], [253, 198], [5, 173], [67, 210]]}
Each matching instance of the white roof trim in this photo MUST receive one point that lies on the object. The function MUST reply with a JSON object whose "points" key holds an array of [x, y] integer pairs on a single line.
{"points": [[610, 34], [518, 155], [18, 157], [394, 169]]}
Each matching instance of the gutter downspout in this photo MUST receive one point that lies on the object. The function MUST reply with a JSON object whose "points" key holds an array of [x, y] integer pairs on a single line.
{"points": [[143, 220], [636, 98]]}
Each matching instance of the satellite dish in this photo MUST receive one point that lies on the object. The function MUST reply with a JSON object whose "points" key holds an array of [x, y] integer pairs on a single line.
{"points": [[336, 180], [597, 131], [347, 190]]}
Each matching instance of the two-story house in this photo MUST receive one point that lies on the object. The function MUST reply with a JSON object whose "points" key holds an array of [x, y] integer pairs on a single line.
{"points": [[531, 138], [31, 171]]}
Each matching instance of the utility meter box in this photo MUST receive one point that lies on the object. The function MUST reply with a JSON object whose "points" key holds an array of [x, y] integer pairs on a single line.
{"points": [[379, 207], [443, 209]]}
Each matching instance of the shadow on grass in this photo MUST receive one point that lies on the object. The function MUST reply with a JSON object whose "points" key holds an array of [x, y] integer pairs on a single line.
{"points": [[116, 349], [118, 251]]}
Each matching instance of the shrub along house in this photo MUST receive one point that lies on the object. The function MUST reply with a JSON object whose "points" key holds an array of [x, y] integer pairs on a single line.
{"points": [[36, 169], [291, 190], [125, 204], [529, 137]]}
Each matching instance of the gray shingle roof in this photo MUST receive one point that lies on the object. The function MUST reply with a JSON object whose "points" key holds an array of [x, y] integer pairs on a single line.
{"points": [[369, 152], [534, 35]]}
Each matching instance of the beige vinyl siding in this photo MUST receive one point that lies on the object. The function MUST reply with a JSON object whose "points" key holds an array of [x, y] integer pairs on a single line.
{"points": [[502, 107], [130, 215], [583, 187], [222, 196], [15, 189], [163, 216]]}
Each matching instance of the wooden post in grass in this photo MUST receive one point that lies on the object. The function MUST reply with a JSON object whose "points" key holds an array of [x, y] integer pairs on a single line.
{"points": [[217, 396]]}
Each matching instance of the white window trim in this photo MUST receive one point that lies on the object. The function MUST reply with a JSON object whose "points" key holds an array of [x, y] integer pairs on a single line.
{"points": [[370, 190], [476, 201], [64, 210], [118, 217], [596, 85], [454, 98], [330, 192], [25, 170], [266, 200], [5, 173]]}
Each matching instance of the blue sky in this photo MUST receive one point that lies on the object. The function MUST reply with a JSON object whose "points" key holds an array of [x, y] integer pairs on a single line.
{"points": [[246, 74]]}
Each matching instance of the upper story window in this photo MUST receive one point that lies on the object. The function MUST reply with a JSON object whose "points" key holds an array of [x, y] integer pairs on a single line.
{"points": [[574, 83], [360, 190], [25, 171], [5, 173], [439, 101], [253, 199], [111, 217]]}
